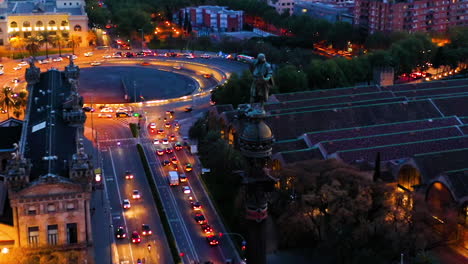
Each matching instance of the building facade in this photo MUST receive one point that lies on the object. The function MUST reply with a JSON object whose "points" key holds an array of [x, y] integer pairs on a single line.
{"points": [[215, 18], [50, 177], [282, 6], [22, 19], [410, 16], [330, 11]]}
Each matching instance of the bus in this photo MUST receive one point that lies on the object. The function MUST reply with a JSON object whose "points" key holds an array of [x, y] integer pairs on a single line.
{"points": [[245, 58]]}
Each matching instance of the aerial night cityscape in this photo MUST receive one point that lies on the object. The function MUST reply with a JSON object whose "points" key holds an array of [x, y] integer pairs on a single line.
{"points": [[233, 131]]}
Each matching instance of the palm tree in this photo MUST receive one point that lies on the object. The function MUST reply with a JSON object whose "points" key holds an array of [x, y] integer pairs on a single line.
{"points": [[21, 100], [44, 38], [58, 40], [7, 100], [32, 45]]}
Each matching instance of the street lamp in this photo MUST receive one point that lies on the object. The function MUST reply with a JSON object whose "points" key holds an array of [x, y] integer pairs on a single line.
{"points": [[142, 38], [5, 250]]}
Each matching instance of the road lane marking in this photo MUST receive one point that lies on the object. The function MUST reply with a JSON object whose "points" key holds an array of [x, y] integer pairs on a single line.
{"points": [[120, 199]]}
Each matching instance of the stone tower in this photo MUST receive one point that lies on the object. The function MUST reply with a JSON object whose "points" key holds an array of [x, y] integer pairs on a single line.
{"points": [[256, 142]]}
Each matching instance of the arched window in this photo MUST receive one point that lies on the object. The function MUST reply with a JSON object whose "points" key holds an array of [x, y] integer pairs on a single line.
{"points": [[51, 23], [64, 23], [39, 24], [77, 28], [13, 24], [26, 24]]}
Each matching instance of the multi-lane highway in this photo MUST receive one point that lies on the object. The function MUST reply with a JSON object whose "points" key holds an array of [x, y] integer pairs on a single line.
{"points": [[118, 154]]}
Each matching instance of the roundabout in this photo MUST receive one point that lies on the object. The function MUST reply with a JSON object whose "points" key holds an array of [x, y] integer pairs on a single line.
{"points": [[123, 84]]}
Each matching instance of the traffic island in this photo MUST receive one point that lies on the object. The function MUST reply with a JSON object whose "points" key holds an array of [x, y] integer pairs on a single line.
{"points": [[159, 205]]}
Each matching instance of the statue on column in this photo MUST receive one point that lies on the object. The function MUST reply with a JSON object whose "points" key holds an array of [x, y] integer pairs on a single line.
{"points": [[262, 81]]}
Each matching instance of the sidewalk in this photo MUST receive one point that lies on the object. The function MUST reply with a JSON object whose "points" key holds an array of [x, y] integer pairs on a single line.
{"points": [[101, 228]]}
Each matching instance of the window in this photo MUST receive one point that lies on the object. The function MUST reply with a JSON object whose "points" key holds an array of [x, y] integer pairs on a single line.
{"points": [[64, 23], [51, 208], [26, 24], [52, 234], [13, 24], [52, 23], [72, 234], [70, 206], [39, 24], [33, 234], [32, 210], [77, 28]]}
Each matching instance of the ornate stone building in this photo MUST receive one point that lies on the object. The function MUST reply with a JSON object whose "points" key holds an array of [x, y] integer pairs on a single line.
{"points": [[50, 176], [21, 19]]}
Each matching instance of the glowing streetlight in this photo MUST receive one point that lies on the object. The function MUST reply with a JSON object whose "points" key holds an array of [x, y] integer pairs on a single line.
{"points": [[5, 250]]}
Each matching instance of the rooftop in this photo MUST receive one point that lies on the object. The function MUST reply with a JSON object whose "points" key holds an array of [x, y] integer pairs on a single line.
{"points": [[50, 141]]}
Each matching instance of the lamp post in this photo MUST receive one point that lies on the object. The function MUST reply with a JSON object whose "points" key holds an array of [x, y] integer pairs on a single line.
{"points": [[142, 38]]}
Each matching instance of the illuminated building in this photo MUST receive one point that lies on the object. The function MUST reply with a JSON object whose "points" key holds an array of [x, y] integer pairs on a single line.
{"points": [[22, 19]]}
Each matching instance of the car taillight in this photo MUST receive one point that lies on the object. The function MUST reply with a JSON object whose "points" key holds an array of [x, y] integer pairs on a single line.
{"points": [[144, 233], [133, 240], [124, 235], [118, 236], [149, 232]]}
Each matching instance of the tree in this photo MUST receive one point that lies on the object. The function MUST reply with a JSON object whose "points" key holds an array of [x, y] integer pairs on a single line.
{"points": [[20, 103], [236, 91], [91, 37], [45, 38], [7, 101], [290, 79], [18, 43], [58, 41], [32, 45], [340, 34], [342, 210]]}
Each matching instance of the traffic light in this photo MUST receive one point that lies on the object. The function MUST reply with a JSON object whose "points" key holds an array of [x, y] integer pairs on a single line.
{"points": [[136, 114]]}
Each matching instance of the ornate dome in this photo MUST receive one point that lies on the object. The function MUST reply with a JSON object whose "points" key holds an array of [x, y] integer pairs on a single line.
{"points": [[256, 139]]}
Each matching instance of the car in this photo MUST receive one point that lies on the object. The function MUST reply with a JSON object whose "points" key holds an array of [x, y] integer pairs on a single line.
{"points": [[174, 160], [186, 190], [104, 115], [15, 80], [167, 125], [145, 63], [17, 68], [165, 141], [160, 152], [116, 56], [120, 232], [170, 112], [205, 56], [23, 63], [57, 59], [136, 194], [152, 125], [2, 72], [188, 109], [74, 57], [129, 55], [88, 109], [188, 56], [126, 204], [188, 167], [196, 206], [182, 178], [165, 163], [176, 125], [169, 150], [122, 114], [175, 167], [107, 56], [212, 240], [95, 63], [146, 230], [172, 137], [207, 229], [45, 61], [129, 175], [136, 237], [200, 218], [156, 141], [160, 131], [207, 75], [88, 54], [178, 146], [107, 110]]}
